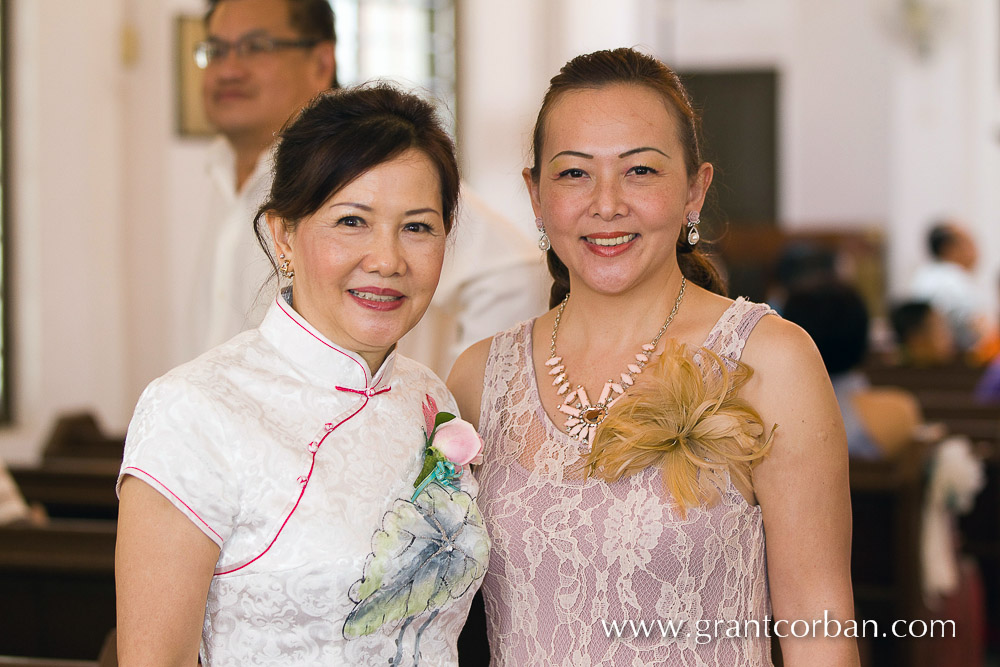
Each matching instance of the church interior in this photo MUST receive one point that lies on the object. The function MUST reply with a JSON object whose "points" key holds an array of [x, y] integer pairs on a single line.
{"points": [[841, 133]]}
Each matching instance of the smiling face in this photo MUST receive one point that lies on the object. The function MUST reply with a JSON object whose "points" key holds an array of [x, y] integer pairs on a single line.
{"points": [[367, 262], [248, 98], [612, 189]]}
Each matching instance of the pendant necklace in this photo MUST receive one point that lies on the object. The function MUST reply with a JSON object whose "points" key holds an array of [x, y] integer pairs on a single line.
{"points": [[583, 417]]}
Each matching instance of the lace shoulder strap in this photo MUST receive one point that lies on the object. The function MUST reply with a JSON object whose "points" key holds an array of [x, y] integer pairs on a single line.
{"points": [[730, 333]]}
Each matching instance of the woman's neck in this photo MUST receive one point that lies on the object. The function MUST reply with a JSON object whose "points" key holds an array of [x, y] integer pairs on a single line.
{"points": [[592, 320]]}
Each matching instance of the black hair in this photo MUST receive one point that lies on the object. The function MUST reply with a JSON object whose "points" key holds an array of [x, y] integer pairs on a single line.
{"points": [[940, 236], [835, 316], [909, 318], [344, 133]]}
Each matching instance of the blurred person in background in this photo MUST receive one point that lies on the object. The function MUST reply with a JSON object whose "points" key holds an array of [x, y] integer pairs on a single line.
{"points": [[880, 421], [262, 61], [800, 264], [923, 336], [948, 283]]}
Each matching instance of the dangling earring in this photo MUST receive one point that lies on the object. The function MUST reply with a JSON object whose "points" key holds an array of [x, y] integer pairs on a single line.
{"points": [[693, 220], [543, 240], [285, 269]]}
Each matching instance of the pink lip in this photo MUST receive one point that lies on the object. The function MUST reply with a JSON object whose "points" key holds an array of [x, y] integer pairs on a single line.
{"points": [[377, 305], [607, 251]]}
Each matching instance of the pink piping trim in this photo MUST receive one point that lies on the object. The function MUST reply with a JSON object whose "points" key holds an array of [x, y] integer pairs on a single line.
{"points": [[367, 393], [167, 489], [305, 485], [299, 324]]}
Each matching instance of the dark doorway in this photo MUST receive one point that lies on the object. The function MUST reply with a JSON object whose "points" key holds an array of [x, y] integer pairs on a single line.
{"points": [[740, 121]]}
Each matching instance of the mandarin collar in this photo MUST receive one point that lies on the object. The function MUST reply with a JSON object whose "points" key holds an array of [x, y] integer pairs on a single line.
{"points": [[323, 361]]}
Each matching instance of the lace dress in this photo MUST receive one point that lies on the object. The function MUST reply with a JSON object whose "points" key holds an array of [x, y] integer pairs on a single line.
{"points": [[584, 572]]}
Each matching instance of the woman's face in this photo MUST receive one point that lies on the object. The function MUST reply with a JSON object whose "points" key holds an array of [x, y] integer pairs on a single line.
{"points": [[367, 262], [613, 190]]}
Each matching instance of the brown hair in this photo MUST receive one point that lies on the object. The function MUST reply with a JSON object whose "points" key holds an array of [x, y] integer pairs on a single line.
{"points": [[342, 134], [628, 66]]}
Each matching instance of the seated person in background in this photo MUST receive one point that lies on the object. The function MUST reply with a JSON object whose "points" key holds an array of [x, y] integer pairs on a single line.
{"points": [[879, 421], [923, 334], [948, 283], [13, 509], [988, 388], [801, 264]]}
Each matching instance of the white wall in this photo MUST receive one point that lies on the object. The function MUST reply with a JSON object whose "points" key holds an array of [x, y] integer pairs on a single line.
{"points": [[67, 306], [103, 189]]}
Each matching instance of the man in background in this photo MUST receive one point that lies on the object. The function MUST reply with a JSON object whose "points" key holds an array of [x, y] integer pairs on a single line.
{"points": [[948, 284], [263, 60]]}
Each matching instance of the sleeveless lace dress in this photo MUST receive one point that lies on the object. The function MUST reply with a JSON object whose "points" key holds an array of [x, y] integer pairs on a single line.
{"points": [[583, 572]]}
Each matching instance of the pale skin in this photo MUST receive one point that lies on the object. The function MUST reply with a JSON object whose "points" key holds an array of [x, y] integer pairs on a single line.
{"points": [[382, 236], [163, 568], [598, 176]]}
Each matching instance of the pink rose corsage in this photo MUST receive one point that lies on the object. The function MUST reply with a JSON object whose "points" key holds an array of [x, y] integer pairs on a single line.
{"points": [[449, 445]]}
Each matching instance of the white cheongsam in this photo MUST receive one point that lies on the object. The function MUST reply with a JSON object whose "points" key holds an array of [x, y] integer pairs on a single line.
{"points": [[287, 453]]}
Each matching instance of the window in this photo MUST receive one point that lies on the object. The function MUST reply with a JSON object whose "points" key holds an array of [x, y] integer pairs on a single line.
{"points": [[409, 41]]}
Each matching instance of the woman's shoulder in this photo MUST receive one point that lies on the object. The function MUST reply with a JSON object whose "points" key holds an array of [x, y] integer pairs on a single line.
{"points": [[777, 343], [720, 323], [466, 379], [473, 361]]}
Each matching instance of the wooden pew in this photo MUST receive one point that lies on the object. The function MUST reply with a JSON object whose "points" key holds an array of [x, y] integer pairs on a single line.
{"points": [[886, 503], [955, 404], [57, 587], [79, 436], [71, 488], [953, 377]]}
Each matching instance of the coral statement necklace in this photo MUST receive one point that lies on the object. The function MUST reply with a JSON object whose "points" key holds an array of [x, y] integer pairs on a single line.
{"points": [[584, 417]]}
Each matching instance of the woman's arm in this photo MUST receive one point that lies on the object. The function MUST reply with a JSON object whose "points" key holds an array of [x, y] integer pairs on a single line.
{"points": [[163, 568], [466, 380], [803, 491]]}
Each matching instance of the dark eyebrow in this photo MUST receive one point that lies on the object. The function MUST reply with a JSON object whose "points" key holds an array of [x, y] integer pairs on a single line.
{"points": [[365, 207], [643, 149], [573, 153], [586, 156]]}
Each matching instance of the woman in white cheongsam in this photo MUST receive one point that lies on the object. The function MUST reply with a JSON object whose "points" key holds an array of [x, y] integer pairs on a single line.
{"points": [[270, 506]]}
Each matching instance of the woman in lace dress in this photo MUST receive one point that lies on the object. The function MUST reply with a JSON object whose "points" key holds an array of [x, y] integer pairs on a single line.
{"points": [[280, 504], [644, 435]]}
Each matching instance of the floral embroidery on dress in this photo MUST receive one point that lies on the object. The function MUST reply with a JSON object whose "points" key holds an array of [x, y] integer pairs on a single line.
{"points": [[430, 549]]}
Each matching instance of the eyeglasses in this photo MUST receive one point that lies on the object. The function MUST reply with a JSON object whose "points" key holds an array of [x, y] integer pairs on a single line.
{"points": [[212, 50]]}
